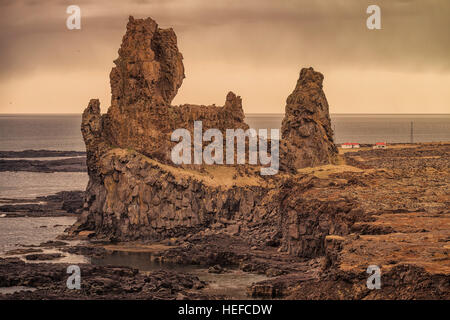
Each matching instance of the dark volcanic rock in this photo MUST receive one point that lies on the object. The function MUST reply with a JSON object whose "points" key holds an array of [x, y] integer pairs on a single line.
{"points": [[43, 256], [89, 251], [59, 204], [149, 68], [306, 128], [135, 191], [402, 282], [71, 201], [148, 73], [96, 283], [40, 154], [338, 214], [22, 251], [53, 244], [48, 166], [143, 199]]}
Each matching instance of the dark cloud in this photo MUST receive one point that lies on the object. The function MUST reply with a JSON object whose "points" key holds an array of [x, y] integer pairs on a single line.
{"points": [[415, 33], [258, 34]]}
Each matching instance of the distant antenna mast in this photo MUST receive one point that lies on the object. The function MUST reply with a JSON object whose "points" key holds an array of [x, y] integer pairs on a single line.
{"points": [[412, 132]]}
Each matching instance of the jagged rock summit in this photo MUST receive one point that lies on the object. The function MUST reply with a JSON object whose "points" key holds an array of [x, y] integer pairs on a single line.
{"points": [[306, 128], [149, 68]]}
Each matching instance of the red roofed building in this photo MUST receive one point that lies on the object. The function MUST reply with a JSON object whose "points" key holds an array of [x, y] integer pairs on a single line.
{"points": [[350, 145], [380, 145]]}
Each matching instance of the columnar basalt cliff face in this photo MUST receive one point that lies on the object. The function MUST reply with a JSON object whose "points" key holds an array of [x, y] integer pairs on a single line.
{"points": [[140, 198], [306, 128]]}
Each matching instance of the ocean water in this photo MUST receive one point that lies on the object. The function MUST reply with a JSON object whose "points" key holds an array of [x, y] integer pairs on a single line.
{"points": [[29, 185], [62, 132], [374, 127], [48, 132], [30, 231]]}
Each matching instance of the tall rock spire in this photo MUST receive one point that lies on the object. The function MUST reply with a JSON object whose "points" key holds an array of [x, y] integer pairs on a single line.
{"points": [[149, 66], [306, 129]]}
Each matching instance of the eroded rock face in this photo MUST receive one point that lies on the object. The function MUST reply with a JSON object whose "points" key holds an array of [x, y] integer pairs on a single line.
{"points": [[306, 128], [140, 198], [331, 215], [307, 222], [149, 67]]}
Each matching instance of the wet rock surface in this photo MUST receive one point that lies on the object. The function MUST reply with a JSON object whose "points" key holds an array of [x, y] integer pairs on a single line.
{"points": [[40, 154], [60, 204], [43, 256], [64, 161], [88, 251], [49, 280], [47, 166], [22, 251]]}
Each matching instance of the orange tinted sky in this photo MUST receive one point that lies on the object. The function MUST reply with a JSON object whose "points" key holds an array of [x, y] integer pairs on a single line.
{"points": [[254, 48]]}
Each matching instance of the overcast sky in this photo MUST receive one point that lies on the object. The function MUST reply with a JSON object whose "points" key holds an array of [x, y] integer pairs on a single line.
{"points": [[255, 48]]}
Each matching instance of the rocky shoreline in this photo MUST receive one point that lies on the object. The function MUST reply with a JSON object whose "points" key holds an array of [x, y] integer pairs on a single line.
{"points": [[40, 154], [48, 281], [64, 203], [59, 204], [47, 166], [46, 161]]}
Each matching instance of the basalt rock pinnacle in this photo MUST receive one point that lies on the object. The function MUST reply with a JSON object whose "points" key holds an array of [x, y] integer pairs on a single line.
{"points": [[149, 68], [306, 127]]}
